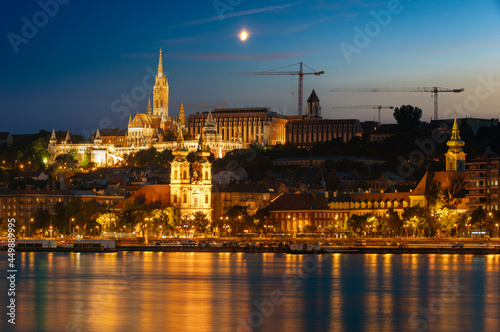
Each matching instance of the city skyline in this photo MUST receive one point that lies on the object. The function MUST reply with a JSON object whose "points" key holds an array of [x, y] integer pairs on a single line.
{"points": [[72, 75]]}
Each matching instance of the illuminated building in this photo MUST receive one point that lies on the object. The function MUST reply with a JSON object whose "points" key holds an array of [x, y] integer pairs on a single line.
{"points": [[190, 188], [191, 184], [313, 129], [248, 125], [482, 187], [455, 157], [145, 130], [294, 211]]}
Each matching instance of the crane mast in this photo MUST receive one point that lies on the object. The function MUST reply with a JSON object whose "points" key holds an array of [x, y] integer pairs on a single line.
{"points": [[300, 73]]}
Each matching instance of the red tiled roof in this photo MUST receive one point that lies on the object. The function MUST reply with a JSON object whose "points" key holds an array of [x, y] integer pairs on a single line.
{"points": [[453, 182], [155, 195]]}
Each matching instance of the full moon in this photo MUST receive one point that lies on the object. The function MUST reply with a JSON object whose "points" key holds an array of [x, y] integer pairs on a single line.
{"points": [[243, 35]]}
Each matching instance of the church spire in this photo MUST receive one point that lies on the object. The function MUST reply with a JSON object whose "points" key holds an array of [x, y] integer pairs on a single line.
{"points": [[455, 132], [68, 138], [182, 115], [180, 137], [160, 66], [210, 120], [97, 138], [53, 137], [455, 157], [149, 108]]}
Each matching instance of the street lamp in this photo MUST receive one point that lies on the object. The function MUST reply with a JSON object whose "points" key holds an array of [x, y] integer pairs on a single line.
{"points": [[29, 227], [50, 230], [286, 225], [468, 229], [24, 231], [70, 230], [77, 232], [97, 230], [497, 230], [456, 230]]}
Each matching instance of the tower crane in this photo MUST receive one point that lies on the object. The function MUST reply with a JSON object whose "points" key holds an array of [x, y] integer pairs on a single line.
{"points": [[300, 73], [375, 107], [433, 90]]}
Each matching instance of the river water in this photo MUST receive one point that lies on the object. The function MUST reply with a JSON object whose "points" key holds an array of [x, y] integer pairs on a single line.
{"points": [[155, 291]]}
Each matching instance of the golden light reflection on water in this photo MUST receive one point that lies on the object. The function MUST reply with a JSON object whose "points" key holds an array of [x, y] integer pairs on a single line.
{"points": [[149, 291]]}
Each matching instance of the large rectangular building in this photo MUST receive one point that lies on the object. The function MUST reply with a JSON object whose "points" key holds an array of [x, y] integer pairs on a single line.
{"points": [[250, 125], [304, 133], [482, 185]]}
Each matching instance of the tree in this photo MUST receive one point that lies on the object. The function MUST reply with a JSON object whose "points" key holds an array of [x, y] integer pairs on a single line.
{"points": [[416, 218], [238, 218], [479, 218], [261, 218], [357, 224], [41, 219], [408, 118], [68, 160], [310, 229], [107, 221], [200, 222], [393, 222]]}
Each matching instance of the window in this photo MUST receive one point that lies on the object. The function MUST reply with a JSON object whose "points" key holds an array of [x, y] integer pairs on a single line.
{"points": [[206, 175], [175, 198], [206, 199], [176, 175], [196, 201], [184, 198], [184, 175]]}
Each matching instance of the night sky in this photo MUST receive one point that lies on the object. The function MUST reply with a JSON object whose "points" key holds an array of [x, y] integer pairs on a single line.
{"points": [[72, 71]]}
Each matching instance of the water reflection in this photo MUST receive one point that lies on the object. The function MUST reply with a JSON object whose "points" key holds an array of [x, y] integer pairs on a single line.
{"points": [[263, 292]]}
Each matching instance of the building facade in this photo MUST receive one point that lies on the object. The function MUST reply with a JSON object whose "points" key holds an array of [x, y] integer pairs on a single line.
{"points": [[145, 130], [294, 211], [482, 186], [191, 184], [250, 195], [248, 125]]}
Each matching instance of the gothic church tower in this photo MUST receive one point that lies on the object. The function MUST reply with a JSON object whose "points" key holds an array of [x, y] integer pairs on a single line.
{"points": [[160, 91]]}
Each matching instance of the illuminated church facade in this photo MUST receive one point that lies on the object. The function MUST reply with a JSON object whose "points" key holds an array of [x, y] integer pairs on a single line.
{"points": [[145, 130]]}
